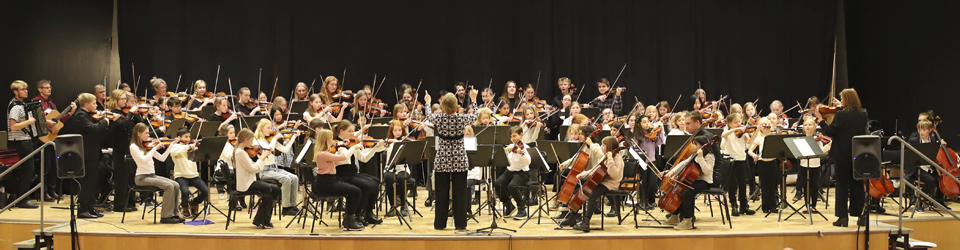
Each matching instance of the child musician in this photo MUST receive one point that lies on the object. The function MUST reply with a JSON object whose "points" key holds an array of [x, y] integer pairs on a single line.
{"points": [[394, 177], [349, 172], [648, 146], [611, 181], [928, 175], [226, 168], [327, 182], [704, 158], [594, 155], [509, 183], [812, 166], [146, 173], [288, 181], [186, 174], [767, 168], [247, 170], [739, 174], [475, 174]]}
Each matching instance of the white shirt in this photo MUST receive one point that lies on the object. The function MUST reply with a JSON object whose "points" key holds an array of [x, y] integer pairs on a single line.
{"points": [[677, 132], [735, 146], [267, 145], [247, 169], [475, 173], [815, 162], [706, 167], [518, 162], [360, 153], [144, 163], [182, 166], [227, 155]]}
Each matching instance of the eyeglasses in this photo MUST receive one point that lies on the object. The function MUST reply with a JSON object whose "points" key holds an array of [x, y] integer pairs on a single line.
{"points": [[47, 87]]}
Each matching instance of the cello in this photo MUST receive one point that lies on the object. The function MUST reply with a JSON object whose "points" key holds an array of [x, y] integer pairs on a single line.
{"points": [[673, 186], [947, 159], [576, 167], [592, 182]]}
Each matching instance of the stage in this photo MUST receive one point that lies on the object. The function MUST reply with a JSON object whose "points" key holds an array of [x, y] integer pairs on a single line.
{"points": [[748, 232]]}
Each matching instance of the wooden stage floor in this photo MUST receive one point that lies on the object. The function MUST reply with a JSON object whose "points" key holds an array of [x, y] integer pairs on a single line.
{"points": [[748, 232]]}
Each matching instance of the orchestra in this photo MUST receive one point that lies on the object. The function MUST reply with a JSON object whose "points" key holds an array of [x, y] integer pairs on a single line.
{"points": [[352, 135]]}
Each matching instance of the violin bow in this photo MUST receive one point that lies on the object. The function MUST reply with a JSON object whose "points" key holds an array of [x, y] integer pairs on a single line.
{"points": [[310, 91], [133, 72], [234, 100], [343, 80], [273, 93], [259, 78], [215, 81], [178, 84]]}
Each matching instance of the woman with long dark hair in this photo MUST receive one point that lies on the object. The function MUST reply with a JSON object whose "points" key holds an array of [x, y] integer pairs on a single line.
{"points": [[847, 123]]}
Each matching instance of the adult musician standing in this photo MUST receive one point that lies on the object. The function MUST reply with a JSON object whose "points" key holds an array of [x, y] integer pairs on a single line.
{"points": [[22, 137], [605, 101], [847, 123], [44, 89], [451, 161]]}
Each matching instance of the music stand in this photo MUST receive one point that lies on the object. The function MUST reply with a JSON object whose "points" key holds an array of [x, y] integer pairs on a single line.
{"points": [[774, 146], [563, 132], [602, 134], [204, 129], [299, 106], [206, 111], [502, 137], [251, 122], [590, 112], [805, 148], [208, 149], [175, 125], [378, 131], [714, 131], [411, 154], [499, 160], [672, 146], [295, 117], [481, 158], [539, 162], [910, 158]]}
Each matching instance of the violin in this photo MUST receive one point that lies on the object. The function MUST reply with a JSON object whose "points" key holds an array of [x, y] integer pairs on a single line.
{"points": [[226, 115], [157, 122], [821, 138], [204, 97], [366, 142], [519, 147], [753, 120], [253, 151], [140, 109], [416, 124], [746, 130], [99, 115], [652, 135], [336, 107], [152, 143], [186, 116], [233, 142], [343, 94]]}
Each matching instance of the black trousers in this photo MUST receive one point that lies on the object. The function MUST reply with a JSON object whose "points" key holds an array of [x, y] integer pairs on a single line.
{"points": [[22, 177], [813, 180], [931, 184], [512, 183], [89, 185], [394, 185], [689, 197], [848, 190], [769, 179], [328, 184], [593, 201], [752, 169], [443, 183], [369, 186], [265, 209], [737, 183]]}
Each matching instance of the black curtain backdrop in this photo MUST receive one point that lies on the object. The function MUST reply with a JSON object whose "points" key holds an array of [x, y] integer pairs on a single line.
{"points": [[67, 42], [904, 60], [746, 49]]}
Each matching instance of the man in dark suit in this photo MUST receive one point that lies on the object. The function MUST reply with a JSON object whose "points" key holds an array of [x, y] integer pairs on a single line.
{"points": [[92, 131]]}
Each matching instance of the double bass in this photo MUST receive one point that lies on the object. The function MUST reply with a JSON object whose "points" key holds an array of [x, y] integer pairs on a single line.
{"points": [[674, 185]]}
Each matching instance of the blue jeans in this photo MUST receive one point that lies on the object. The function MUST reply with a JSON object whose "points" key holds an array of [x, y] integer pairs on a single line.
{"points": [[196, 182]]}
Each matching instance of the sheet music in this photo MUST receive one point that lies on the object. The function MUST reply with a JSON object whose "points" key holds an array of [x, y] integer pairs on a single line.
{"points": [[635, 155], [802, 146], [470, 143], [306, 146]]}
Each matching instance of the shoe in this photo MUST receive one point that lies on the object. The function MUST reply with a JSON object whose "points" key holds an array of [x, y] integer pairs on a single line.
{"points": [[185, 210], [291, 211], [673, 220], [583, 226], [747, 211], [27, 204], [735, 212], [684, 225], [429, 201], [611, 213], [371, 218], [267, 225], [181, 219], [842, 222], [96, 213], [195, 210], [571, 220], [532, 201], [404, 212], [554, 206], [880, 210], [127, 209], [521, 214], [476, 200], [350, 223], [170, 220], [797, 197], [561, 215], [412, 193], [508, 210], [86, 215], [236, 208], [391, 213], [222, 196], [48, 198]]}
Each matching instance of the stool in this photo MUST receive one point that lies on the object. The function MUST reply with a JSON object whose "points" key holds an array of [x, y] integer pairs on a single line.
{"points": [[153, 191]]}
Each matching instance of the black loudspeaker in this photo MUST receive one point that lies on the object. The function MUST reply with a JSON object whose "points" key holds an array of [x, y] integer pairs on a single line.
{"points": [[866, 157], [69, 156]]}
